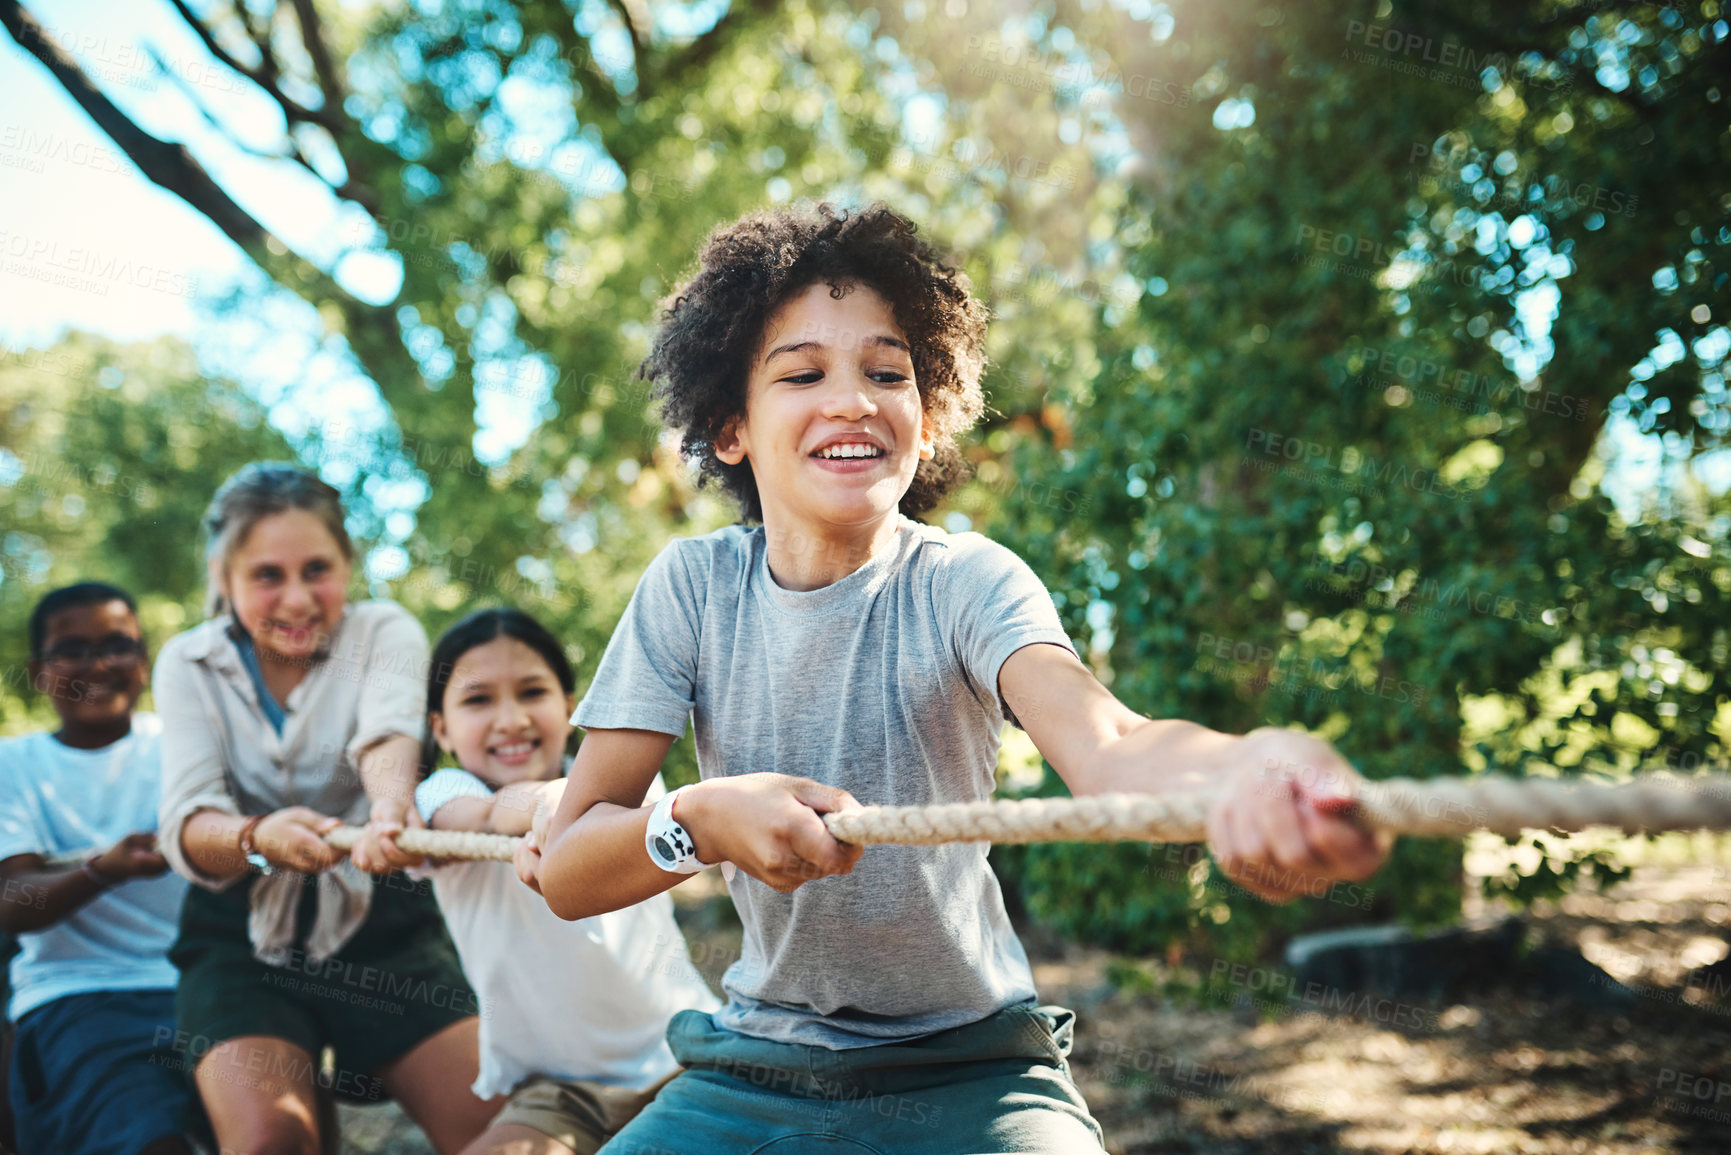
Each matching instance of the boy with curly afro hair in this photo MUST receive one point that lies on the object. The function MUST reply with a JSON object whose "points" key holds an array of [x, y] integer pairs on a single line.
{"points": [[820, 365], [713, 324]]}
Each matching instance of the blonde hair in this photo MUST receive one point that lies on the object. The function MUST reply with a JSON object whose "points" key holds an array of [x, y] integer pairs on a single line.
{"points": [[254, 493]]}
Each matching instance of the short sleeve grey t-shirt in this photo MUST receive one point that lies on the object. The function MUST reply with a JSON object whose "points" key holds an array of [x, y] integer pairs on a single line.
{"points": [[883, 683]]}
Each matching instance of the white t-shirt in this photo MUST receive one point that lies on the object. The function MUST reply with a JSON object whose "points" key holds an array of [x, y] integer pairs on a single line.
{"points": [[586, 1000], [57, 800]]}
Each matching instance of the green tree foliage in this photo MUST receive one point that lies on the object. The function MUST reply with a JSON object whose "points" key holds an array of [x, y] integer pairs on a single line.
{"points": [[1310, 321], [111, 454], [539, 176], [1337, 475], [542, 180]]}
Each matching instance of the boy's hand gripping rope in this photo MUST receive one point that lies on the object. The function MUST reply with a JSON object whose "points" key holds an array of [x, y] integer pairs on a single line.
{"points": [[1440, 807]]}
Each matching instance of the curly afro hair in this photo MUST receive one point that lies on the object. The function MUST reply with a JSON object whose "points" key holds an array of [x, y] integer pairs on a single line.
{"points": [[712, 325]]}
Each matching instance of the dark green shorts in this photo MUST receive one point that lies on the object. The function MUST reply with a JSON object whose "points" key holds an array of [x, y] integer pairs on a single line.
{"points": [[394, 984], [999, 1085]]}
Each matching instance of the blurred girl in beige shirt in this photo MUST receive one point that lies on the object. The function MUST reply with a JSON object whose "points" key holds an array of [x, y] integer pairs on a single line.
{"points": [[288, 712]]}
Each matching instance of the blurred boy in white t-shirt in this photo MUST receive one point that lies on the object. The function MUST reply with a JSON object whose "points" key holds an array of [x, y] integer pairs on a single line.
{"points": [[82, 885]]}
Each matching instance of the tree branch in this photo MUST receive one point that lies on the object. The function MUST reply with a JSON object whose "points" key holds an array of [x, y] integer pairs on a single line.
{"points": [[265, 75], [210, 42], [637, 43], [259, 34], [324, 67], [294, 154], [698, 53], [173, 168], [598, 86], [169, 165], [357, 185]]}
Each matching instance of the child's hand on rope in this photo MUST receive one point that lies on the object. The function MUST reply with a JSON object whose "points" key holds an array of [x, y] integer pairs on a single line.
{"points": [[1286, 825], [135, 856], [770, 826], [376, 850], [527, 855], [527, 859], [293, 838]]}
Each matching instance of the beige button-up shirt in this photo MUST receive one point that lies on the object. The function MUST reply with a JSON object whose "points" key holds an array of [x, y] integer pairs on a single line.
{"points": [[220, 752]]}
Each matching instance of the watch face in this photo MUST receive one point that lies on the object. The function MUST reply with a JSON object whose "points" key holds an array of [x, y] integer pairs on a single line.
{"points": [[663, 850]]}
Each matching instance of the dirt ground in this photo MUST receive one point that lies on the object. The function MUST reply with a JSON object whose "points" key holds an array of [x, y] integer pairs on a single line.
{"points": [[1498, 1073], [1493, 1074]]}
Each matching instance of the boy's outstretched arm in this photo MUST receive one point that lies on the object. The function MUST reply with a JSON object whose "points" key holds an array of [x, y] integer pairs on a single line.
{"points": [[588, 857], [38, 894], [1281, 821]]}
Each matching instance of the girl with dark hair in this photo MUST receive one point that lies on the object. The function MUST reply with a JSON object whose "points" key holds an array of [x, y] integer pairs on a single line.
{"points": [[580, 1056]]}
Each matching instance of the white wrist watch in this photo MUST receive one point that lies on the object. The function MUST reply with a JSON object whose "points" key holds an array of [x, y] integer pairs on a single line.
{"points": [[669, 845]]}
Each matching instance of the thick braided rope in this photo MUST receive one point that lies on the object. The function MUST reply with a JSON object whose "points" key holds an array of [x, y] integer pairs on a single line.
{"points": [[1441, 807], [439, 843]]}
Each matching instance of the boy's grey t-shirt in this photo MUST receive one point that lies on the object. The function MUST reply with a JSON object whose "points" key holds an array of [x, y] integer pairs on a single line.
{"points": [[883, 683]]}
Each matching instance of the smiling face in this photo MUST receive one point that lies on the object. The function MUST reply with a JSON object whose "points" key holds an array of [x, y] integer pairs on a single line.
{"points": [[93, 668], [833, 425], [505, 716], [287, 582]]}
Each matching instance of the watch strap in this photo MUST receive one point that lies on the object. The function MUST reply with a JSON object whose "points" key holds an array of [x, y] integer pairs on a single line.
{"points": [[88, 866], [668, 843], [249, 849]]}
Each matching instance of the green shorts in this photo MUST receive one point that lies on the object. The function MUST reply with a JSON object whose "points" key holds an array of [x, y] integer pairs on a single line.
{"points": [[394, 984], [999, 1085]]}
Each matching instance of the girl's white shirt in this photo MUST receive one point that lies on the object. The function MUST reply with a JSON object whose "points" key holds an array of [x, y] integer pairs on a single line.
{"points": [[587, 1000]]}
